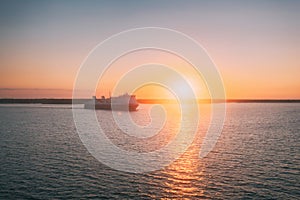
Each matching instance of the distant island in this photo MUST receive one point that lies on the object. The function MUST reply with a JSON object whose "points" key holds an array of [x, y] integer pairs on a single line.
{"points": [[142, 101]]}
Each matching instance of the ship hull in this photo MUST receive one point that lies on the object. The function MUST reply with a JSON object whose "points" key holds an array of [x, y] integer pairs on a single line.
{"points": [[120, 107], [124, 102]]}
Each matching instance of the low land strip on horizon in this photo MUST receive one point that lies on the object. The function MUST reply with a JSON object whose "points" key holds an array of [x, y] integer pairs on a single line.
{"points": [[142, 101]]}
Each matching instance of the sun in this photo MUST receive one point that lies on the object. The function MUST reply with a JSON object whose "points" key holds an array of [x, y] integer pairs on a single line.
{"points": [[154, 91]]}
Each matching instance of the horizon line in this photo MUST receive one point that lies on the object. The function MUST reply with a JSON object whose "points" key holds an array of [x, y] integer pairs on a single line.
{"points": [[142, 101]]}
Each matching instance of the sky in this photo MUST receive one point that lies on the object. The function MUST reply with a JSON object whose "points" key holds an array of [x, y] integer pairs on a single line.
{"points": [[254, 44]]}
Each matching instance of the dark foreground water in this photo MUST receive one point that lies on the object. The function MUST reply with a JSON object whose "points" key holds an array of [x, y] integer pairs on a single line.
{"points": [[256, 157]]}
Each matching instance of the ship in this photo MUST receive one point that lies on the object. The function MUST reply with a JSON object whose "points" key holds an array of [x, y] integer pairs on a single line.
{"points": [[123, 102]]}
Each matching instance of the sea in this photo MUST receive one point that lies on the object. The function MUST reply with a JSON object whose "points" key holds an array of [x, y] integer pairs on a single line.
{"points": [[257, 155]]}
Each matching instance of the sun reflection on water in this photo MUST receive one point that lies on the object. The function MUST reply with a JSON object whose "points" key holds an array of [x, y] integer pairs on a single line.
{"points": [[185, 177]]}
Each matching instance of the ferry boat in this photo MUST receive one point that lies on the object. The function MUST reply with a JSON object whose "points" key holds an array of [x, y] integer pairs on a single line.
{"points": [[123, 102]]}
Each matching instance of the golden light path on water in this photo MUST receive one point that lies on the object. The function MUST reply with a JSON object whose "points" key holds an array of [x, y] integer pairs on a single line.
{"points": [[184, 171], [183, 176]]}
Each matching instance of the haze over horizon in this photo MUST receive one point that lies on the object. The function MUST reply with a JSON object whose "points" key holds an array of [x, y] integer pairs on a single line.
{"points": [[254, 44]]}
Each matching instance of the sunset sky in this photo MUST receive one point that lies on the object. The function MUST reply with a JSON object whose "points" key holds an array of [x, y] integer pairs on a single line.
{"points": [[255, 44]]}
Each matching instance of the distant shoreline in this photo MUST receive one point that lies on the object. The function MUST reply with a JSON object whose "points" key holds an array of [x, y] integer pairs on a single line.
{"points": [[142, 101]]}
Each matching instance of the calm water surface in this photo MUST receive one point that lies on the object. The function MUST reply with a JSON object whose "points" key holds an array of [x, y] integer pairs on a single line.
{"points": [[256, 157]]}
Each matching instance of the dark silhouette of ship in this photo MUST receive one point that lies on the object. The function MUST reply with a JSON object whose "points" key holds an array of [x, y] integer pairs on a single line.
{"points": [[123, 102]]}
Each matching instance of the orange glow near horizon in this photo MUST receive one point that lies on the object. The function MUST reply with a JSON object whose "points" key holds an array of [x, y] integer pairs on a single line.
{"points": [[47, 81]]}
